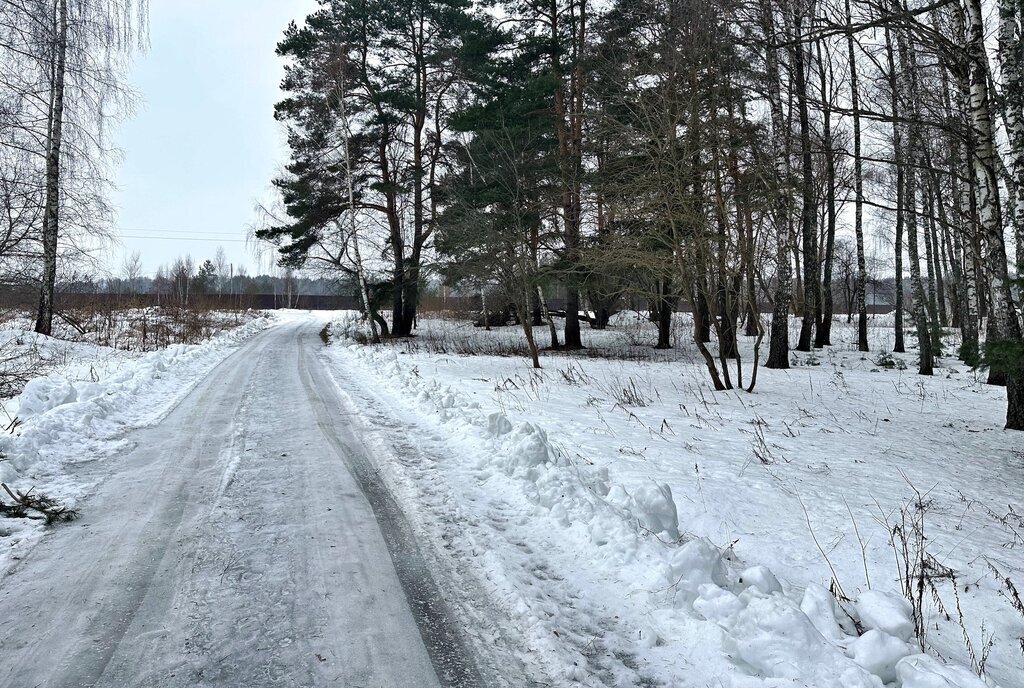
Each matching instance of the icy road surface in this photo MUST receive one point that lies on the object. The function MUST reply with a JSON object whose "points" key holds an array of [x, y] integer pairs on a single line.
{"points": [[244, 541]]}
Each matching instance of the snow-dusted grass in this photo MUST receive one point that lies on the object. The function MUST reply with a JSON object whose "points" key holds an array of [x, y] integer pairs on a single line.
{"points": [[134, 329], [79, 403], [640, 527]]}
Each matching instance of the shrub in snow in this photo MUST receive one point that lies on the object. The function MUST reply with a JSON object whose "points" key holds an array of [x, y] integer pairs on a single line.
{"points": [[890, 362]]}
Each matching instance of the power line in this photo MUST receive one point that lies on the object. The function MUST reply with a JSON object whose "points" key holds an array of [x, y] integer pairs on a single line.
{"points": [[187, 239], [173, 231]]}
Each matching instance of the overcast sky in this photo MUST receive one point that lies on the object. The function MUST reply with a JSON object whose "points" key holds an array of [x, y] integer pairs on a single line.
{"points": [[203, 147]]}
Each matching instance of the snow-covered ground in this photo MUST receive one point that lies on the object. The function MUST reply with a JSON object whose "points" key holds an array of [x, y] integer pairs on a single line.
{"points": [[639, 528], [609, 520], [85, 405]]}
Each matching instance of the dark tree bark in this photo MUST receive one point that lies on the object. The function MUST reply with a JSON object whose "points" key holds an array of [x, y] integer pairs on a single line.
{"points": [[808, 213], [858, 188], [665, 308], [51, 211], [897, 156], [778, 347]]}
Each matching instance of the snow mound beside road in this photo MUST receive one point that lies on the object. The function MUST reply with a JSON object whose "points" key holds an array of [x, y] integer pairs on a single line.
{"points": [[683, 593], [83, 412]]}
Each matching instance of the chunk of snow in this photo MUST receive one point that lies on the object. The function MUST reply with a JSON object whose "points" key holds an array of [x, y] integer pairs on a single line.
{"points": [[819, 605], [45, 393], [718, 604], [531, 447], [656, 509], [498, 424], [696, 563], [761, 579], [879, 653], [886, 612], [776, 640], [923, 671]]}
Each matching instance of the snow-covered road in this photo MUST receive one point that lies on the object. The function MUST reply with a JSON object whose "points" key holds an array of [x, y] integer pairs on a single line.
{"points": [[243, 541]]}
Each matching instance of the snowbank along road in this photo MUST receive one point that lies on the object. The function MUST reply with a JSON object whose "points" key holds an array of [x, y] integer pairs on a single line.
{"points": [[243, 541]]}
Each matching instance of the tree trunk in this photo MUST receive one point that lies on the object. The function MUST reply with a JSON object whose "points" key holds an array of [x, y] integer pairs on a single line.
{"points": [[1015, 401], [364, 290], [665, 309], [823, 336], [778, 347], [970, 330], [858, 187], [51, 210], [1011, 55], [807, 212], [527, 324], [1002, 312], [701, 317], [908, 83], [728, 314], [897, 148], [569, 132]]}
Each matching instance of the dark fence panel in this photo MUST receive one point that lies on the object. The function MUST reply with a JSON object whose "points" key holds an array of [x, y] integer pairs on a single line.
{"points": [[17, 298], [22, 299]]}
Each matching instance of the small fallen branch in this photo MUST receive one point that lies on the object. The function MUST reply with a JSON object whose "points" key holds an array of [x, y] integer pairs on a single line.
{"points": [[35, 506]]}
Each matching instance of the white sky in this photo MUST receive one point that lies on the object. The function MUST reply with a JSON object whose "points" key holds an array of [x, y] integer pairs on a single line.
{"points": [[204, 145]]}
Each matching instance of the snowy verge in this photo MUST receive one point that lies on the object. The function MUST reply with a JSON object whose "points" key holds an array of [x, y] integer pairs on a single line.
{"points": [[84, 412], [683, 608]]}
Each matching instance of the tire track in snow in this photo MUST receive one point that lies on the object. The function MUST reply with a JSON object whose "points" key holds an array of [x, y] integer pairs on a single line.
{"points": [[452, 659]]}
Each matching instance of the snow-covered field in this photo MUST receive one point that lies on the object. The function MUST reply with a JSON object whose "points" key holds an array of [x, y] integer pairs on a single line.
{"points": [[80, 411], [639, 528]]}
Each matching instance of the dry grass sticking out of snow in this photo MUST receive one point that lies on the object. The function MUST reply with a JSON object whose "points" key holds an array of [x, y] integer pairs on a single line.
{"points": [[848, 524]]}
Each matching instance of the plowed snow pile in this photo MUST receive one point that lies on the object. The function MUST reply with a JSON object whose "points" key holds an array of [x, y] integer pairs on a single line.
{"points": [[639, 528], [82, 410]]}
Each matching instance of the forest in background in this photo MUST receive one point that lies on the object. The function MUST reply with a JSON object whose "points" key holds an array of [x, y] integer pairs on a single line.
{"points": [[717, 153]]}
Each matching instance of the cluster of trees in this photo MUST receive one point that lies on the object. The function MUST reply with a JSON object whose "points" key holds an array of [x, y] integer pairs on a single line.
{"points": [[701, 150], [62, 64]]}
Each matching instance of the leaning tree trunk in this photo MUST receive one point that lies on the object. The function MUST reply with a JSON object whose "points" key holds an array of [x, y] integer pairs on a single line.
{"points": [[51, 209], [546, 313]]}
